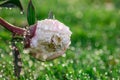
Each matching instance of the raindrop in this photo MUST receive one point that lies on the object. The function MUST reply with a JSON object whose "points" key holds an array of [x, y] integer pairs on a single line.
{"points": [[3, 66], [30, 78], [22, 72], [0, 76], [67, 74], [47, 78], [26, 51], [71, 61], [94, 69], [106, 73], [51, 64], [10, 46], [110, 71], [63, 65], [21, 12], [80, 71], [64, 55], [71, 76], [19, 64], [1, 71], [10, 53], [10, 8], [113, 78], [30, 63], [29, 70], [10, 62], [6, 8], [35, 76], [2, 55], [15, 42]]}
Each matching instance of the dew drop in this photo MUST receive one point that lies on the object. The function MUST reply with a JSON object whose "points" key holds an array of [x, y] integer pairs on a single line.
{"points": [[25, 51], [43, 64], [94, 69], [63, 65], [22, 73], [22, 42], [0, 76], [106, 73], [10, 53], [2, 55], [1, 71], [35, 76], [19, 64], [6, 8], [10, 8], [80, 71], [67, 74], [29, 70], [113, 78], [71, 61], [21, 12], [64, 55], [3, 66], [30, 63], [51, 64]]}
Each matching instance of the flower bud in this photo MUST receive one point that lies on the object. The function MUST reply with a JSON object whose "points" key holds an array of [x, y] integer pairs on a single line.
{"points": [[51, 39], [46, 40]]}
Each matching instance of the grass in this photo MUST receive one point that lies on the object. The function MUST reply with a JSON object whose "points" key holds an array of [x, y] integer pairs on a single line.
{"points": [[95, 50]]}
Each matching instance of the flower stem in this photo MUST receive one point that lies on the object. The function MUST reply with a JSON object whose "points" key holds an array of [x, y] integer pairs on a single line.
{"points": [[17, 59], [11, 28]]}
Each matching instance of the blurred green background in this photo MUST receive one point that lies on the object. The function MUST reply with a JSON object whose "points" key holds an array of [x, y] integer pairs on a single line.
{"points": [[95, 49]]}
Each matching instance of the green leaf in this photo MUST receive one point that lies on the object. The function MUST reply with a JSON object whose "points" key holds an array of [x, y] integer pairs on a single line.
{"points": [[11, 4], [30, 13], [50, 15]]}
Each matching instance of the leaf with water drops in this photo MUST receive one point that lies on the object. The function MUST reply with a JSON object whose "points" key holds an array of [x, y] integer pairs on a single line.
{"points": [[11, 4], [30, 13]]}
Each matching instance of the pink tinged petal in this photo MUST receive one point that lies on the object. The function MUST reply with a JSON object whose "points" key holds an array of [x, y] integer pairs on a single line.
{"points": [[51, 38]]}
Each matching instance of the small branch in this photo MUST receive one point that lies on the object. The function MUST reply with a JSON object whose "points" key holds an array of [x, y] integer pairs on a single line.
{"points": [[11, 28], [17, 59]]}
